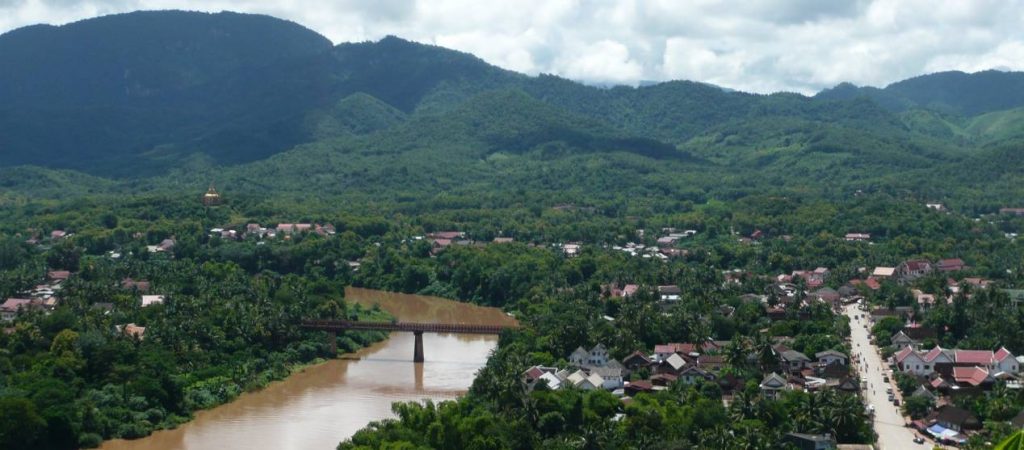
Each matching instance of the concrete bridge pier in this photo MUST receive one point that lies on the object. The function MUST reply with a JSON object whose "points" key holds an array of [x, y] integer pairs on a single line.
{"points": [[417, 353], [332, 342]]}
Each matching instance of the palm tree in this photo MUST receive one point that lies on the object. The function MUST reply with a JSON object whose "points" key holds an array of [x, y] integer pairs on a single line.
{"points": [[737, 352], [1014, 442]]}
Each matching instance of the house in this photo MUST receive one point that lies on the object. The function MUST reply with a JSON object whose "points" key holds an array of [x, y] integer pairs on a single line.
{"points": [[977, 283], [165, 245], [579, 356], [827, 295], [1005, 361], [132, 330], [611, 375], [870, 283], [924, 300], [813, 278], [666, 241], [848, 385], [673, 364], [148, 300], [630, 290], [9, 309], [689, 349], [857, 237], [137, 285], [1012, 211], [793, 360], [804, 441], [571, 250], [900, 340], [921, 391], [636, 387], [883, 272], [449, 235], [693, 375], [950, 265], [635, 361], [911, 270], [972, 377], [581, 380], [669, 293], [910, 361], [711, 362], [597, 356], [953, 418], [503, 240], [534, 373], [58, 276], [59, 234], [772, 385], [830, 356], [938, 359], [551, 379], [935, 206], [663, 379]]}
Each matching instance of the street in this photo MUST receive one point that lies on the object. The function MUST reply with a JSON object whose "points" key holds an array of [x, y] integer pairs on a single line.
{"points": [[889, 422]]}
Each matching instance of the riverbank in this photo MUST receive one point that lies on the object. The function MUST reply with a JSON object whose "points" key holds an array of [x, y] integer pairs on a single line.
{"points": [[323, 404], [253, 375]]}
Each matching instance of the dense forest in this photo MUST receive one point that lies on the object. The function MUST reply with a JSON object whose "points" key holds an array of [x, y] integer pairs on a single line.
{"points": [[103, 164]]}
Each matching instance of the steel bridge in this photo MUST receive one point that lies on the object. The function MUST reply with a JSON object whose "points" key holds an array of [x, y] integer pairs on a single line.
{"points": [[332, 327]]}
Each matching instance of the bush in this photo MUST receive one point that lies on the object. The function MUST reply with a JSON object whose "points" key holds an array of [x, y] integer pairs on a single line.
{"points": [[89, 440]]}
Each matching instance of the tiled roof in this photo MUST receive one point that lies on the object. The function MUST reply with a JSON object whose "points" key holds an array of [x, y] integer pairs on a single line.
{"points": [[973, 376], [983, 357]]}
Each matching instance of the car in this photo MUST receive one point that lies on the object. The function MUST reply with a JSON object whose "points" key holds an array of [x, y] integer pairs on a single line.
{"points": [[888, 391], [919, 440], [885, 378], [892, 397]]}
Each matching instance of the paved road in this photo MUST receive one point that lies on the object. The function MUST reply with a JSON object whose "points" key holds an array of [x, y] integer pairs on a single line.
{"points": [[889, 422]]}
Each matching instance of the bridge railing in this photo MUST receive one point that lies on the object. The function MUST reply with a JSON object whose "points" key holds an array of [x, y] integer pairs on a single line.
{"points": [[338, 325]]}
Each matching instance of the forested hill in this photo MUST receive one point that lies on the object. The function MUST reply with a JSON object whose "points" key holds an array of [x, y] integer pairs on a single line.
{"points": [[181, 96]]}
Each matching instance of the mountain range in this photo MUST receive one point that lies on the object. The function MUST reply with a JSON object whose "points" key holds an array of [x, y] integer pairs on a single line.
{"points": [[268, 104]]}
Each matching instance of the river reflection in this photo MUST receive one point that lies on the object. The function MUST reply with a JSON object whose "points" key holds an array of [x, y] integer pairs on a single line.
{"points": [[326, 404]]}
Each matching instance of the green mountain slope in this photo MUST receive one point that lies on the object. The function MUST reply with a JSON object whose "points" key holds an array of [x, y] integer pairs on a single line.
{"points": [[270, 105]]}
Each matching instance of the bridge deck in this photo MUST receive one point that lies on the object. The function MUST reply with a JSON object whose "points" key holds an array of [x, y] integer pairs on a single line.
{"points": [[341, 325]]}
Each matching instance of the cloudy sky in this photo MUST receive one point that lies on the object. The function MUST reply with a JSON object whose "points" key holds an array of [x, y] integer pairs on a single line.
{"points": [[757, 46]]}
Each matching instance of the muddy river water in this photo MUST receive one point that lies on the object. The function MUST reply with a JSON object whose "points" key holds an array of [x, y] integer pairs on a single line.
{"points": [[327, 403]]}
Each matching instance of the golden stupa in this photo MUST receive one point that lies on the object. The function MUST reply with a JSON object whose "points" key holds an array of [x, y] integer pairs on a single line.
{"points": [[211, 197]]}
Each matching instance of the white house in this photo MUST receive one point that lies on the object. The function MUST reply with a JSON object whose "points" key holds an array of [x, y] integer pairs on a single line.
{"points": [[152, 300], [830, 356], [611, 374], [669, 293], [596, 357], [772, 385], [581, 380]]}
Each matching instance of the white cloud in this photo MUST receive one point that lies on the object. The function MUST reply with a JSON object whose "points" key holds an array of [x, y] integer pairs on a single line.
{"points": [[758, 46], [603, 61]]}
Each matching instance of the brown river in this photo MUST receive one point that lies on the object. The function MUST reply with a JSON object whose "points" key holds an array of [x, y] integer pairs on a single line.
{"points": [[325, 404]]}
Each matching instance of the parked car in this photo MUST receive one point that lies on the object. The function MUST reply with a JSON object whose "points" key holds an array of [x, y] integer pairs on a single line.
{"points": [[919, 440], [892, 397], [896, 402]]}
